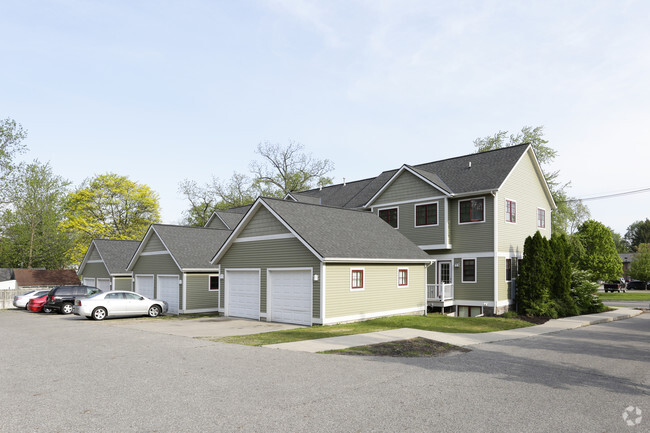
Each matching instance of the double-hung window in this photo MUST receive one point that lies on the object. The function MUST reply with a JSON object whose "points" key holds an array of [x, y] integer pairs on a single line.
{"points": [[472, 210], [390, 216], [541, 218], [469, 270], [426, 214], [511, 211]]}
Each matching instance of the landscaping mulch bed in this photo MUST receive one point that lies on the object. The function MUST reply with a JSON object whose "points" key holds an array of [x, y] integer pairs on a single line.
{"points": [[414, 347], [533, 320]]}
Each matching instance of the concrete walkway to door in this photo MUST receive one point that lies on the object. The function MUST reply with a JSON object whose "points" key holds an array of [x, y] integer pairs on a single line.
{"points": [[205, 327]]}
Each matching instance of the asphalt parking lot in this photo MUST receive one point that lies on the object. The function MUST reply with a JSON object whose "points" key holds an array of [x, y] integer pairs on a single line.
{"points": [[64, 374]]}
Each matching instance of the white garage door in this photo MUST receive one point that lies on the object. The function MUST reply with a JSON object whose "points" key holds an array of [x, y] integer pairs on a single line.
{"points": [[291, 296], [243, 293], [89, 282], [144, 285], [104, 284], [168, 291]]}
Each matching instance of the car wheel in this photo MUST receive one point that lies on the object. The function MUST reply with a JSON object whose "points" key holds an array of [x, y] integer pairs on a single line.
{"points": [[66, 308], [99, 313], [46, 310], [154, 311]]}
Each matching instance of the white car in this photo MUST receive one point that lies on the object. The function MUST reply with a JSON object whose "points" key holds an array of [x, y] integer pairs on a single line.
{"points": [[21, 301], [118, 304]]}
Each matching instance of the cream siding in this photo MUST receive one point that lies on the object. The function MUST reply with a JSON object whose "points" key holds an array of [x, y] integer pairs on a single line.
{"points": [[406, 187], [526, 188], [380, 293], [198, 294], [263, 223], [504, 286], [277, 253]]}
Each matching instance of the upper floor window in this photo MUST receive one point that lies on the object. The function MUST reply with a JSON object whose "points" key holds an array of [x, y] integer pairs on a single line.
{"points": [[426, 214], [469, 270], [402, 277], [389, 215], [356, 279], [511, 211], [541, 218], [472, 210]]}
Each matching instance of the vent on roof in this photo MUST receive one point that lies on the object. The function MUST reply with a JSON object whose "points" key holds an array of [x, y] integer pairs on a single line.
{"points": [[470, 165], [343, 181]]}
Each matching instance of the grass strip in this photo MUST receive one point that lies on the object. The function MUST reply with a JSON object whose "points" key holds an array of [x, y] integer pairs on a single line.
{"points": [[432, 322], [627, 296]]}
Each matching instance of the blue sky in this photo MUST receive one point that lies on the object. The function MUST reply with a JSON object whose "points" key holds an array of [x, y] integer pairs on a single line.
{"points": [[163, 91]]}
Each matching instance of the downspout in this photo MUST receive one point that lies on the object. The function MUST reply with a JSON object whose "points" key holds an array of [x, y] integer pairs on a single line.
{"points": [[496, 252], [426, 288]]}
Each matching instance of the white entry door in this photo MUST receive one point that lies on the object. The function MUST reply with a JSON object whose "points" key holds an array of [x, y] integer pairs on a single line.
{"points": [[144, 285], [168, 290], [291, 296], [243, 293]]}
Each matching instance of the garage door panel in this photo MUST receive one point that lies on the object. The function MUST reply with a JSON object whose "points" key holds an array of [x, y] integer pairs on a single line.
{"points": [[104, 284], [243, 290], [291, 296], [168, 290], [144, 285]]}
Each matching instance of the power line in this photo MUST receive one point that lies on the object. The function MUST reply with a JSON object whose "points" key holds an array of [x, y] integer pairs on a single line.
{"points": [[599, 197]]}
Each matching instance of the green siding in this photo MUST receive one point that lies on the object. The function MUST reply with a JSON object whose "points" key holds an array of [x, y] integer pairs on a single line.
{"points": [[380, 294], [216, 223], [472, 237], [406, 187], [262, 224], [483, 288], [123, 283], [526, 188], [94, 255], [159, 264], [198, 294], [277, 253], [95, 270], [427, 235], [154, 244]]}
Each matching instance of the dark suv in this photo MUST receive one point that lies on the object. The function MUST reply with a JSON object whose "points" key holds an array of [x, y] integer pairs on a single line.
{"points": [[62, 298]]}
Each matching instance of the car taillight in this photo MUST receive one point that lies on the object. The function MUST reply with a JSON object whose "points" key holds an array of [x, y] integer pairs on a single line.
{"points": [[77, 303]]}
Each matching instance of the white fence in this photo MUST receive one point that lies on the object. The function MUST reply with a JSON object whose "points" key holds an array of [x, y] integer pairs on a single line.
{"points": [[440, 292]]}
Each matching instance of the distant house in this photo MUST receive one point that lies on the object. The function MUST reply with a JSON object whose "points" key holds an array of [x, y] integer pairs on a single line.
{"points": [[104, 265], [28, 278], [627, 259]]}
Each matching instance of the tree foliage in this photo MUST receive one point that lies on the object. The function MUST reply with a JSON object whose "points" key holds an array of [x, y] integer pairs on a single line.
{"points": [[109, 206], [12, 135], [570, 213], [620, 243], [535, 276], [640, 266], [638, 233], [31, 231], [561, 276], [597, 253], [286, 169]]}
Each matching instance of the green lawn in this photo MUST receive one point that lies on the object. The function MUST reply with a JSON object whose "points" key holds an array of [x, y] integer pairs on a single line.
{"points": [[627, 296], [432, 322]]}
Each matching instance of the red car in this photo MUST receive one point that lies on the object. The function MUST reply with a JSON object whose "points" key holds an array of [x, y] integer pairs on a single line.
{"points": [[36, 304]]}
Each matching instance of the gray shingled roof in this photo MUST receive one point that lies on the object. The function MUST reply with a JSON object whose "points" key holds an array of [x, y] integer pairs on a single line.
{"points": [[488, 172], [192, 247], [342, 233], [230, 218], [116, 253]]}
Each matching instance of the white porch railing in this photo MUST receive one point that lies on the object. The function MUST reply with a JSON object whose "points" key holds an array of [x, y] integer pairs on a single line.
{"points": [[440, 292]]}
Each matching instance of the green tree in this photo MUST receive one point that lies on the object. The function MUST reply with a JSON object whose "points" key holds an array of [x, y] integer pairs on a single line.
{"points": [[535, 278], [597, 254], [109, 206], [12, 135], [640, 266], [561, 276], [286, 169], [31, 231], [570, 212], [620, 243], [638, 233]]}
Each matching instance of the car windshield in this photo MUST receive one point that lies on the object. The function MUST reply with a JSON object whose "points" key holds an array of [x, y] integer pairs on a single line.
{"points": [[41, 293]]}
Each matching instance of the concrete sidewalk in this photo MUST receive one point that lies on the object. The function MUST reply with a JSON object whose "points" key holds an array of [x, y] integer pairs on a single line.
{"points": [[553, 325]]}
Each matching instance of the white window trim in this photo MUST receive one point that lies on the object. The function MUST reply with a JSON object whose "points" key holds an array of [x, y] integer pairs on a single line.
{"points": [[505, 211], [415, 214], [388, 208], [363, 280], [218, 278], [537, 218], [462, 270], [408, 278], [473, 222]]}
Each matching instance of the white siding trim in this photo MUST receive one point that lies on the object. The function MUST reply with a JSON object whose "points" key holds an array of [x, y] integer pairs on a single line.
{"points": [[265, 238], [362, 260], [374, 315], [184, 306], [462, 302], [154, 253], [495, 262], [323, 287], [435, 247], [95, 261], [397, 203], [446, 201], [464, 256]]}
